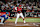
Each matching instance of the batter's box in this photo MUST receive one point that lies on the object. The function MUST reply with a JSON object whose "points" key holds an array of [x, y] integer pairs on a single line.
{"points": [[27, 24]]}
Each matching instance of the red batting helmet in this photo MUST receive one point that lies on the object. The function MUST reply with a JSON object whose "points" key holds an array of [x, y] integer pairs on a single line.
{"points": [[20, 5]]}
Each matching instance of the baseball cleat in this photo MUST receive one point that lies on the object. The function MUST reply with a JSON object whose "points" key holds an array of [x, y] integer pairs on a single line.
{"points": [[24, 22], [15, 22]]}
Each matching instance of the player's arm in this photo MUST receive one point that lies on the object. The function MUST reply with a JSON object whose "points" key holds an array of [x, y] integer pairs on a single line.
{"points": [[15, 8], [6, 16]]}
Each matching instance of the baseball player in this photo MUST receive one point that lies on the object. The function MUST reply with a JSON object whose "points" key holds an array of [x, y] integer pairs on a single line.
{"points": [[19, 13], [5, 17]]}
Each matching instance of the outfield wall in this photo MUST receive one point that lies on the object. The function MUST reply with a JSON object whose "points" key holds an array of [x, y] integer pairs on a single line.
{"points": [[26, 14]]}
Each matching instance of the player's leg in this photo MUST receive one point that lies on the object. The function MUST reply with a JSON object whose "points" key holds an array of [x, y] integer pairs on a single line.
{"points": [[2, 19], [17, 18], [22, 17]]}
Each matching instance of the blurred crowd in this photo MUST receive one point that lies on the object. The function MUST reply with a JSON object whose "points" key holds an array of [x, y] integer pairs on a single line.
{"points": [[7, 7], [26, 6]]}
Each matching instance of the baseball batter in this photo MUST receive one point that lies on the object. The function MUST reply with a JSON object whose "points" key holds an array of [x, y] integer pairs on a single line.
{"points": [[19, 13]]}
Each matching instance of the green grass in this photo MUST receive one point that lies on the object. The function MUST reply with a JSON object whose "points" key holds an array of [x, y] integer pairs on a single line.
{"points": [[26, 19]]}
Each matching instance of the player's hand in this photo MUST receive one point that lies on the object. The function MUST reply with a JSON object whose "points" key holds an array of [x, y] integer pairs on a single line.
{"points": [[8, 17]]}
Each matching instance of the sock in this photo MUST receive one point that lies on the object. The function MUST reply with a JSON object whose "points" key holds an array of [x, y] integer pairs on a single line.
{"points": [[23, 19]]}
